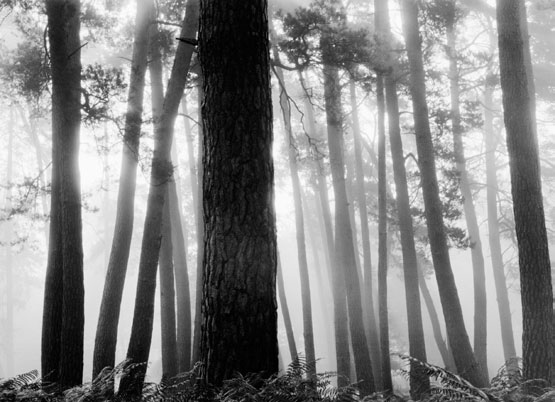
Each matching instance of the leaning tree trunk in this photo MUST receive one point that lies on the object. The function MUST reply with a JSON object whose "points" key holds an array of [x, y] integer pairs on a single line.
{"points": [[345, 255], [478, 269], [239, 331], [161, 173], [465, 361], [419, 381], [308, 331], [535, 269], [63, 314], [108, 319], [285, 313]]}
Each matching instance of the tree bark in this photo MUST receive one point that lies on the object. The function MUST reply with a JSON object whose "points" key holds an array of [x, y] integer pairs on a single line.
{"points": [[478, 269], [63, 319], [308, 332], [465, 361], [519, 116], [345, 258], [239, 331], [285, 313], [161, 173], [108, 319]]}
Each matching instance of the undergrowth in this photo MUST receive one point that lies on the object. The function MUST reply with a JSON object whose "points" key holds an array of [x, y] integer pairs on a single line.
{"points": [[293, 385]]}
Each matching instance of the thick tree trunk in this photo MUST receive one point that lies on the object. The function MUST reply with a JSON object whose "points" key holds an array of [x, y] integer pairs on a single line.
{"points": [[239, 331], [478, 269], [503, 304], [63, 319], [108, 319], [535, 269], [285, 313], [368, 294], [161, 173], [308, 331], [466, 363], [419, 382], [345, 258], [165, 260]]}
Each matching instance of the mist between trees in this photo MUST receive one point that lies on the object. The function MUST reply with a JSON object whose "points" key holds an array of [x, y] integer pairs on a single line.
{"points": [[360, 187]]}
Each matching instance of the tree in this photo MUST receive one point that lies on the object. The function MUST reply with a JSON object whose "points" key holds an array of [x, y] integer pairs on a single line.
{"points": [[463, 355], [63, 314], [519, 116], [161, 174], [239, 332], [107, 327]]}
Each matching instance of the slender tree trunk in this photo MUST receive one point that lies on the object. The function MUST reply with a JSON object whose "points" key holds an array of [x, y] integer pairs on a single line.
{"points": [[108, 319], [370, 319], [9, 327], [285, 312], [345, 258], [419, 381], [239, 331], [340, 320], [503, 303], [478, 269], [299, 225], [387, 384], [63, 319], [161, 173], [535, 269], [165, 260], [466, 363]]}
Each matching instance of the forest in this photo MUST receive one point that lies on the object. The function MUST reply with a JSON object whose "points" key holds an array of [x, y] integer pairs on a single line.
{"points": [[277, 200]]}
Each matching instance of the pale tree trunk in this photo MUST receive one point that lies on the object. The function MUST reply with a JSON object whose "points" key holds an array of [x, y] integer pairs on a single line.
{"points": [[108, 319], [503, 303], [165, 260], [368, 293], [63, 313], [519, 116], [342, 353], [345, 259], [161, 173], [465, 361], [308, 331], [285, 312], [419, 382], [239, 310], [9, 327], [478, 269]]}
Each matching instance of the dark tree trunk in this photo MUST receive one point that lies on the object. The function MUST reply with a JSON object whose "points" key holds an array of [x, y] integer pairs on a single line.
{"points": [[63, 314], [239, 310], [466, 363], [308, 331], [535, 269], [368, 308], [345, 255], [161, 173], [108, 319], [478, 269]]}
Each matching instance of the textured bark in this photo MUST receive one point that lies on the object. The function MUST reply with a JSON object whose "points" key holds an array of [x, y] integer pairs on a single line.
{"points": [[503, 304], [165, 260], [478, 269], [535, 270], [239, 310], [387, 384], [345, 254], [108, 319], [161, 173], [368, 293], [465, 361], [63, 319], [308, 332], [285, 313], [342, 353]]}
